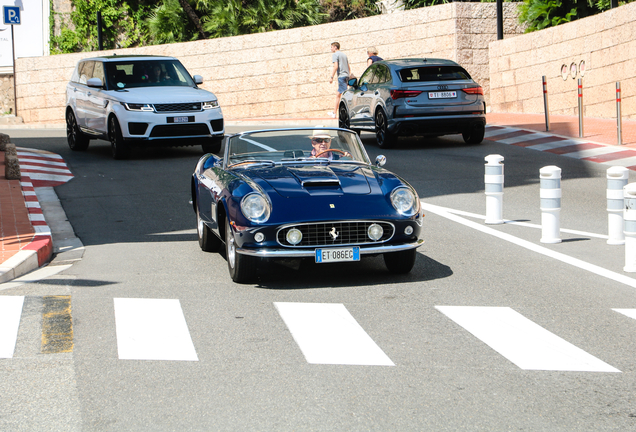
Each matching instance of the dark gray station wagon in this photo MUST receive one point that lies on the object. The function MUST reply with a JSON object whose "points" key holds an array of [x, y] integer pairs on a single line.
{"points": [[427, 97]]}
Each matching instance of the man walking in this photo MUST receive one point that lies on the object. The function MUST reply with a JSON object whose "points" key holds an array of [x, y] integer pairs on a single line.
{"points": [[341, 68]]}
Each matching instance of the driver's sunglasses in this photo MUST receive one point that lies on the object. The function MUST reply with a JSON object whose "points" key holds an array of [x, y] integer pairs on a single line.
{"points": [[321, 140]]}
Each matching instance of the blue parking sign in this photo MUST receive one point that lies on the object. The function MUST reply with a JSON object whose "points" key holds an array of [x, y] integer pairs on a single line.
{"points": [[11, 15]]}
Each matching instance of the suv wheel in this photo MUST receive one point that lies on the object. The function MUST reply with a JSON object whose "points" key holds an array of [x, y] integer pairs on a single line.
{"points": [[119, 149], [343, 118], [384, 138], [474, 135], [77, 141]]}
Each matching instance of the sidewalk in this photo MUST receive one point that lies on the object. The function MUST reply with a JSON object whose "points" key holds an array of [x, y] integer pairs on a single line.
{"points": [[24, 248]]}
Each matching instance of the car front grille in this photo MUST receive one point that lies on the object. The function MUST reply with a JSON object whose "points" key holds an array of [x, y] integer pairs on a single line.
{"points": [[345, 232], [180, 130], [178, 107]]}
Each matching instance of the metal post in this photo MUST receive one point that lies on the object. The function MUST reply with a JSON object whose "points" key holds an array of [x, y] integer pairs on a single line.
{"points": [[15, 91], [619, 124], [550, 193], [99, 31], [493, 181], [580, 108], [545, 103], [500, 20], [617, 179]]}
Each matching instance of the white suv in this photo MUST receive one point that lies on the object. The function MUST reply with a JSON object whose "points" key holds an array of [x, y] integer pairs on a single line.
{"points": [[140, 99]]}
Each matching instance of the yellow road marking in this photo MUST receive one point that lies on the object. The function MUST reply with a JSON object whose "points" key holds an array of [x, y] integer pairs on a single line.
{"points": [[57, 325]]}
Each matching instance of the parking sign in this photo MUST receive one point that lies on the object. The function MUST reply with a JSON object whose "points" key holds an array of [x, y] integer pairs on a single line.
{"points": [[11, 15]]}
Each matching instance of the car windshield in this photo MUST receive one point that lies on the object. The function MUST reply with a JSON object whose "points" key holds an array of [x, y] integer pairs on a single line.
{"points": [[147, 73], [293, 146], [433, 73]]}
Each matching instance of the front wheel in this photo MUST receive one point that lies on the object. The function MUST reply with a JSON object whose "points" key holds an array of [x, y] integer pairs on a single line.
{"points": [[474, 135], [242, 267], [343, 118], [212, 145], [77, 141], [118, 148], [400, 262], [384, 138]]}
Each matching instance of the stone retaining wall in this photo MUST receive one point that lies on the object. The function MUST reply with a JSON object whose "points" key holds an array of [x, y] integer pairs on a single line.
{"points": [[605, 42], [285, 73]]}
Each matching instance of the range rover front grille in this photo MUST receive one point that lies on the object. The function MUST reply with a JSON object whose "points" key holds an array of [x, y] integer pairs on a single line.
{"points": [[178, 107], [335, 233]]}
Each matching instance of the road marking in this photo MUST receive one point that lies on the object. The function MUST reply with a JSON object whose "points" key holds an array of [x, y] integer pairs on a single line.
{"points": [[617, 277], [627, 312], [152, 329], [328, 334], [10, 313], [524, 343], [35, 275], [57, 325]]}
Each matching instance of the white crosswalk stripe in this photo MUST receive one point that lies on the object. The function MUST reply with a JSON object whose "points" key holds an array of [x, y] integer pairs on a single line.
{"points": [[152, 329], [328, 334], [627, 312], [524, 343], [10, 313]]}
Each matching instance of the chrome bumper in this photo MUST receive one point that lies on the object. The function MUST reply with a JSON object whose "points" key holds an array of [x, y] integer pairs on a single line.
{"points": [[309, 253]]}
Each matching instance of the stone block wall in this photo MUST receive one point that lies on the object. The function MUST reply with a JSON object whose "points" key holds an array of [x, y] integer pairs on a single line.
{"points": [[605, 42], [6, 94], [285, 74]]}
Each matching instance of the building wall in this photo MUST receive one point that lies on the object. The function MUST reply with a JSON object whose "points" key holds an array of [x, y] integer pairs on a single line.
{"points": [[607, 44], [285, 73]]}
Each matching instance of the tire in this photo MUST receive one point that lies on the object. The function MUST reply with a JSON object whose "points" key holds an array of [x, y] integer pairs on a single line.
{"points": [[119, 149], [400, 262], [242, 267], [384, 138], [208, 241], [77, 141], [212, 146], [474, 135], [343, 118]]}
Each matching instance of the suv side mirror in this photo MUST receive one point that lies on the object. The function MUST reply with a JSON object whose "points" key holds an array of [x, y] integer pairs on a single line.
{"points": [[198, 79], [353, 82], [95, 83]]}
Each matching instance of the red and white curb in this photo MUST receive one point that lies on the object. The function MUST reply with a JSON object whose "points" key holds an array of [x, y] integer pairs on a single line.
{"points": [[577, 148], [39, 169]]}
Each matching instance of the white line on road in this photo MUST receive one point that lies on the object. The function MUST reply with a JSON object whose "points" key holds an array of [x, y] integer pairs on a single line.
{"points": [[152, 329], [329, 334], [617, 277], [523, 342], [627, 312], [10, 312]]}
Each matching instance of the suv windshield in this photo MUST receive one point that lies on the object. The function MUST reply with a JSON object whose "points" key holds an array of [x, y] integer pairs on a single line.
{"points": [[295, 145], [433, 73], [147, 73]]}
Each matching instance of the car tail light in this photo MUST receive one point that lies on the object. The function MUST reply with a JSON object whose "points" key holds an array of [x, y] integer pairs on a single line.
{"points": [[474, 90], [397, 94]]}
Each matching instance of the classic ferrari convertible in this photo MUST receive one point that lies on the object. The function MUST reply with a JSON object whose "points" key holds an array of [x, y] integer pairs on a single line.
{"points": [[303, 193]]}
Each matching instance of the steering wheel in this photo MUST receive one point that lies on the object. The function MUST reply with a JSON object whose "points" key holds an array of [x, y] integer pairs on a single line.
{"points": [[331, 150]]}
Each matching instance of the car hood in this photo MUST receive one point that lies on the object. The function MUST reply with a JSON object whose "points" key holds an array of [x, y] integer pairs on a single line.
{"points": [[293, 181], [172, 94]]}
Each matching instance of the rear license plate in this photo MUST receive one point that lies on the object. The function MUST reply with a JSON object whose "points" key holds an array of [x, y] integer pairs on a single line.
{"points": [[442, 95], [183, 119], [338, 254]]}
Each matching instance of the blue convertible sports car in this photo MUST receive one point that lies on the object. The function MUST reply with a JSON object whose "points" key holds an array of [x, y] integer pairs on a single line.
{"points": [[303, 193]]}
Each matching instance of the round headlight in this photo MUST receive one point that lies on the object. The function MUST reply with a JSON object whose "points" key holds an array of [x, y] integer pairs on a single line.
{"points": [[404, 201], [375, 232], [259, 237], [294, 236], [255, 207], [408, 230]]}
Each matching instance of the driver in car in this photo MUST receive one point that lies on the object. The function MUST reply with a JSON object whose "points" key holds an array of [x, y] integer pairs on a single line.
{"points": [[321, 143]]}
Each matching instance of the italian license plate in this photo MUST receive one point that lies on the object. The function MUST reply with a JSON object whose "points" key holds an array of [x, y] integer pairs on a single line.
{"points": [[182, 119], [442, 95], [338, 254]]}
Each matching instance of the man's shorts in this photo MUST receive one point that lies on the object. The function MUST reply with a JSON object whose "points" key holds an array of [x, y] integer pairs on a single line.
{"points": [[342, 84]]}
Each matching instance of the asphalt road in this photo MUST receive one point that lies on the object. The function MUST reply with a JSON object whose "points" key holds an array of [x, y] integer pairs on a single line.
{"points": [[449, 371]]}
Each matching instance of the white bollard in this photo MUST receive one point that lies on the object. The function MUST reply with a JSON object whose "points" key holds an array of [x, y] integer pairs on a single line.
{"points": [[630, 227], [494, 181], [550, 193], [617, 178]]}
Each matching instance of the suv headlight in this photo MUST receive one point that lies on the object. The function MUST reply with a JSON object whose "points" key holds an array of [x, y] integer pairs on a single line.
{"points": [[138, 107], [210, 105], [255, 207], [404, 201]]}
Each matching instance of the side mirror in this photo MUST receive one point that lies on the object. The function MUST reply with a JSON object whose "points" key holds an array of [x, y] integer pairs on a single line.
{"points": [[380, 160], [198, 79], [364, 87], [95, 83], [353, 82]]}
